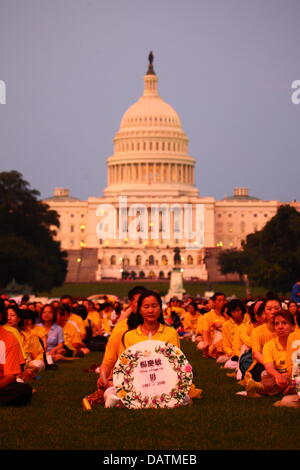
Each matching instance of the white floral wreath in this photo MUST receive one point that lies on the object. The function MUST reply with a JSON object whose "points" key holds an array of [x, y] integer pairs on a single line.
{"points": [[123, 377]]}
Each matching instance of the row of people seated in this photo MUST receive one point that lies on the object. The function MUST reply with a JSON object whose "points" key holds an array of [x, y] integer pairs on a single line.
{"points": [[45, 335], [224, 331], [257, 343]]}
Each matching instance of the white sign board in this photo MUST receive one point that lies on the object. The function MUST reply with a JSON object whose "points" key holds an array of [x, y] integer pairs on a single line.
{"points": [[152, 374]]}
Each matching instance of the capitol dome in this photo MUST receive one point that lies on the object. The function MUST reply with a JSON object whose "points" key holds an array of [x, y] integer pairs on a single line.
{"points": [[150, 148], [150, 111]]}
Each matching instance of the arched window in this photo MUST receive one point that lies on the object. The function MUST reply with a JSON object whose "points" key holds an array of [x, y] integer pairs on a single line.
{"points": [[164, 260], [190, 259], [125, 261], [151, 260], [112, 260], [138, 260]]}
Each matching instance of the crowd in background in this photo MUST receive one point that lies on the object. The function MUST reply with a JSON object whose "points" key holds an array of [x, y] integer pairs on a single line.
{"points": [[255, 340]]}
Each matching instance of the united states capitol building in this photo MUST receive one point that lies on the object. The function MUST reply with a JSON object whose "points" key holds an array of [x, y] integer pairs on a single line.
{"points": [[151, 167]]}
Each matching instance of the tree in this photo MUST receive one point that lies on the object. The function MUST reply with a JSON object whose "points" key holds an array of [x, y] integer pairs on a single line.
{"points": [[28, 252], [274, 251], [233, 261]]}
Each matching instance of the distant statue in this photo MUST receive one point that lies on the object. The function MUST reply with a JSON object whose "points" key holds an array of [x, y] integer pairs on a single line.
{"points": [[177, 257], [150, 70]]}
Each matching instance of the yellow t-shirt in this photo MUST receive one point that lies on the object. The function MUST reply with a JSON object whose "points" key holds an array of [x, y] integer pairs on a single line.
{"points": [[245, 332], [164, 333], [40, 331], [95, 320], [274, 352], [199, 325], [105, 323], [260, 336], [190, 322], [71, 335], [79, 322], [179, 310], [209, 319], [17, 334], [111, 353], [32, 346], [230, 332]]}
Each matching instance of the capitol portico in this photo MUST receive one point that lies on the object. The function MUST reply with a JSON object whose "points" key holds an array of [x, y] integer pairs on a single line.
{"points": [[150, 166]]}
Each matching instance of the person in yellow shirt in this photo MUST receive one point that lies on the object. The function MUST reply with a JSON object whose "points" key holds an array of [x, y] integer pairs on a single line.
{"points": [[211, 319], [33, 345], [274, 379], [174, 306], [80, 324], [151, 326], [105, 311], [73, 346], [190, 321], [151, 323], [236, 311], [261, 335], [12, 322], [113, 345], [292, 398], [243, 339]]}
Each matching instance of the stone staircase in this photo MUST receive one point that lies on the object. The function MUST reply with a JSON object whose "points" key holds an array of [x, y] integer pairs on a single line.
{"points": [[85, 269]]}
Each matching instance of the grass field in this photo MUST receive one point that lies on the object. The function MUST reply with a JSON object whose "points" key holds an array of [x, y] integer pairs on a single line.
{"points": [[121, 288], [220, 420]]}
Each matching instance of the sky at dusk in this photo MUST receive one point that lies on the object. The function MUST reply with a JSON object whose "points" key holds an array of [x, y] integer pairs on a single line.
{"points": [[73, 67]]}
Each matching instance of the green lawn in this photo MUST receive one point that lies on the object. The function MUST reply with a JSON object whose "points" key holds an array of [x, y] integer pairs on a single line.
{"points": [[121, 288], [220, 420]]}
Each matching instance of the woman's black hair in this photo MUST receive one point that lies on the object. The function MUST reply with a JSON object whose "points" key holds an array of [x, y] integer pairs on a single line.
{"points": [[233, 305], [288, 316], [274, 299], [18, 312], [29, 315], [136, 319], [194, 305], [53, 311], [81, 311]]}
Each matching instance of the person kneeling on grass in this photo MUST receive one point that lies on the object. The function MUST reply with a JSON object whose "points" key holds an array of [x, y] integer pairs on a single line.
{"points": [[274, 379]]}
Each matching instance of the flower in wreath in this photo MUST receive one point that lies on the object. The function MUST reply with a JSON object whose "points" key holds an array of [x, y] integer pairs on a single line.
{"points": [[121, 393], [188, 368], [124, 360], [178, 352], [146, 353]]}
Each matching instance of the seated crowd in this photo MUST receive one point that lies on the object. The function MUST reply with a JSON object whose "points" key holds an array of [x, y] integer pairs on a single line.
{"points": [[256, 341]]}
